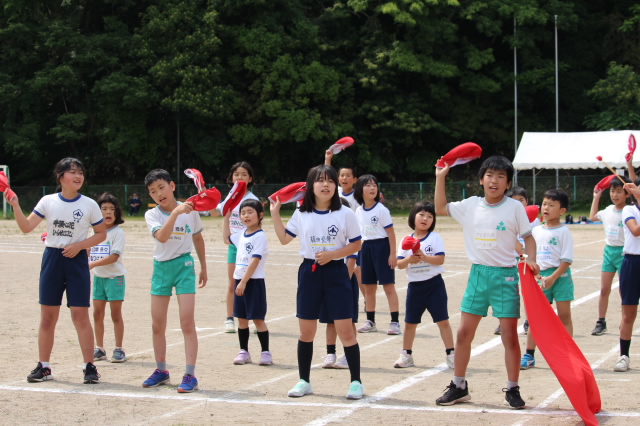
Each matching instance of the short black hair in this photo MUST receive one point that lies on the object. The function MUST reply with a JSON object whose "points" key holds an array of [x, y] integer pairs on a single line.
{"points": [[615, 183], [497, 162], [254, 204], [108, 197], [359, 188], [352, 168], [245, 166], [418, 207], [314, 174], [558, 195], [64, 166], [518, 190], [156, 174]]}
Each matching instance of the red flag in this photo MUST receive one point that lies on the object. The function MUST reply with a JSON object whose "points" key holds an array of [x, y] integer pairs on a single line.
{"points": [[532, 212], [290, 193], [205, 200], [234, 197], [461, 154], [341, 144], [605, 183], [4, 186], [411, 243], [559, 350]]}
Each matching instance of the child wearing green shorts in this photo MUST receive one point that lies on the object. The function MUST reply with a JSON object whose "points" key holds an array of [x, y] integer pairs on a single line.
{"points": [[491, 225], [555, 255]]}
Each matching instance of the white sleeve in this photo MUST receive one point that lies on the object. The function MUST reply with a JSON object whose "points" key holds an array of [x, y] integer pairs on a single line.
{"points": [[260, 248], [353, 229], [235, 238], [117, 247], [153, 223], [385, 217], [293, 224], [566, 254]]}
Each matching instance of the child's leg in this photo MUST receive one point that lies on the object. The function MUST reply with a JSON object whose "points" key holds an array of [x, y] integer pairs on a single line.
{"points": [[231, 288], [629, 313], [261, 325], [509, 335], [263, 334], [80, 318], [98, 321], [564, 313], [606, 279], [243, 323], [410, 336], [351, 348], [159, 307], [46, 333], [243, 334], [446, 333], [361, 286], [305, 347], [392, 297], [466, 333], [370, 297], [187, 304], [531, 344], [331, 334], [118, 321]]}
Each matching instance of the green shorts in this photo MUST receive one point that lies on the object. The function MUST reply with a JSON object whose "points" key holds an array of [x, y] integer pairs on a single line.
{"points": [[179, 273], [109, 289], [562, 289], [612, 260], [493, 286], [231, 253]]}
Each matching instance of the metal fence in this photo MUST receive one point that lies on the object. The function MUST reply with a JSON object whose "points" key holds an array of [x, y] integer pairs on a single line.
{"points": [[397, 196]]}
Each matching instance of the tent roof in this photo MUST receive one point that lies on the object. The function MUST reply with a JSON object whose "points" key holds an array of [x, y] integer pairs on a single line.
{"points": [[574, 150]]}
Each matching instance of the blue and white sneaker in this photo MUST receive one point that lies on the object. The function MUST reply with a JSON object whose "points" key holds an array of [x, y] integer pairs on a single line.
{"points": [[301, 388], [527, 362], [189, 384], [356, 390], [158, 378]]}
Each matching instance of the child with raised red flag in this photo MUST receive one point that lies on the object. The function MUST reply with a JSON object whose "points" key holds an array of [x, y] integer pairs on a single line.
{"points": [[491, 225]]}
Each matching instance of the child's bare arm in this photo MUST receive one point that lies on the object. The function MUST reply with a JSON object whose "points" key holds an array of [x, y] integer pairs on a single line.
{"points": [[112, 258], [164, 233], [198, 244], [632, 170], [328, 157], [278, 225], [100, 234], [325, 257], [393, 258], [226, 230], [351, 265], [530, 248], [26, 224], [595, 204], [551, 279], [440, 196]]}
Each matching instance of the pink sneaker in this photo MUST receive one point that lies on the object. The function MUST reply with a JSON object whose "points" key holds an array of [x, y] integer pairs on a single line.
{"points": [[242, 358], [265, 358]]}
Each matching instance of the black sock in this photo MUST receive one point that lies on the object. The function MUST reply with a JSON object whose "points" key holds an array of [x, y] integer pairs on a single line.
{"points": [[263, 336], [449, 350], [353, 359], [243, 338], [371, 316], [531, 352], [409, 351], [624, 347], [331, 349], [305, 355], [395, 316], [230, 318]]}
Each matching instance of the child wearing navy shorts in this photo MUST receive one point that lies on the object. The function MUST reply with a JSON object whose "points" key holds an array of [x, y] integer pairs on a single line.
{"points": [[378, 255], [426, 290], [65, 268], [328, 233], [250, 301]]}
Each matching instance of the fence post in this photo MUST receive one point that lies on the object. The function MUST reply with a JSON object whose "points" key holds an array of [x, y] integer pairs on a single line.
{"points": [[574, 188], [421, 191]]}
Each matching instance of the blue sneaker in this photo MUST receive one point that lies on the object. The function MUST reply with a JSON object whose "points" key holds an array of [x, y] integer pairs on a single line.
{"points": [[527, 362], [158, 378], [189, 384]]}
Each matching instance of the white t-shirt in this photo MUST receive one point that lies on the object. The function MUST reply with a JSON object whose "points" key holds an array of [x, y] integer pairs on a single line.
{"points": [[491, 230], [374, 221], [350, 198], [323, 230], [613, 227], [553, 246], [114, 244], [181, 239], [431, 245], [249, 246], [68, 221], [631, 242], [235, 224]]}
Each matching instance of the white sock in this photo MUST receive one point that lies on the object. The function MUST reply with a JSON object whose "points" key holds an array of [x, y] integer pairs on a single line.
{"points": [[459, 382], [511, 385], [44, 363], [84, 366]]}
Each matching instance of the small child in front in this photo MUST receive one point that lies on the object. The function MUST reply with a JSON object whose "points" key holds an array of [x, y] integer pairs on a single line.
{"points": [[554, 255], [177, 229], [491, 225]]}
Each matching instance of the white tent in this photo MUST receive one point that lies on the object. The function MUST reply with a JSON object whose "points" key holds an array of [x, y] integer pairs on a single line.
{"points": [[574, 150]]}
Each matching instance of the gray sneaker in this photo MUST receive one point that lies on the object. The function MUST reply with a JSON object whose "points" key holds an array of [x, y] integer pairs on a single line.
{"points": [[99, 354], [118, 355]]}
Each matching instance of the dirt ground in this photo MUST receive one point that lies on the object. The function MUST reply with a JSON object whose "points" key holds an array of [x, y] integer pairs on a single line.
{"points": [[253, 394]]}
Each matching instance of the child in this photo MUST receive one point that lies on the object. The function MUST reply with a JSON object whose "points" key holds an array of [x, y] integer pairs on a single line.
{"points": [[554, 255], [69, 217], [491, 225], [611, 218], [378, 255], [518, 193], [250, 301], [108, 280], [346, 178], [244, 172], [328, 233], [177, 229], [629, 273], [426, 287]]}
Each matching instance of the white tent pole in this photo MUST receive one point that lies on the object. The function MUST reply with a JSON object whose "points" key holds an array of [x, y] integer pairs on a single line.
{"points": [[515, 97]]}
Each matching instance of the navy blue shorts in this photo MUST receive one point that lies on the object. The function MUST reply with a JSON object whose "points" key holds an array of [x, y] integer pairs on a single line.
{"points": [[59, 274], [252, 305], [328, 286], [429, 295], [324, 312], [374, 262], [630, 279]]}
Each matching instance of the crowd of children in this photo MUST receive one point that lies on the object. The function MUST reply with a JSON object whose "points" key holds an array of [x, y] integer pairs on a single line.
{"points": [[348, 246]]}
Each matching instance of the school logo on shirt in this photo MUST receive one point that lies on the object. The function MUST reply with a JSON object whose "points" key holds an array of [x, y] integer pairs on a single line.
{"points": [[553, 241], [187, 229], [248, 247], [374, 220], [333, 230], [501, 227], [77, 215], [428, 250]]}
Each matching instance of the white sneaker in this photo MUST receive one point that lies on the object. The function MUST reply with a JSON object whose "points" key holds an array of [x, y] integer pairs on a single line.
{"points": [[301, 388], [341, 363], [405, 360], [622, 364], [242, 358], [356, 390], [368, 327], [451, 359], [329, 361], [394, 328], [229, 326]]}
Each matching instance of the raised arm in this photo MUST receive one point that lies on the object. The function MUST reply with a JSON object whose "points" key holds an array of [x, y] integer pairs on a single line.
{"points": [[595, 204], [278, 225], [164, 233], [26, 224], [440, 196]]}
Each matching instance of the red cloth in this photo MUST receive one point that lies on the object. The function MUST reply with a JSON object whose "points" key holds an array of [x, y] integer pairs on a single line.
{"points": [[632, 147], [197, 178], [410, 243], [206, 200], [234, 197], [532, 212], [4, 186], [605, 183], [341, 144], [559, 350], [290, 193], [461, 154]]}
